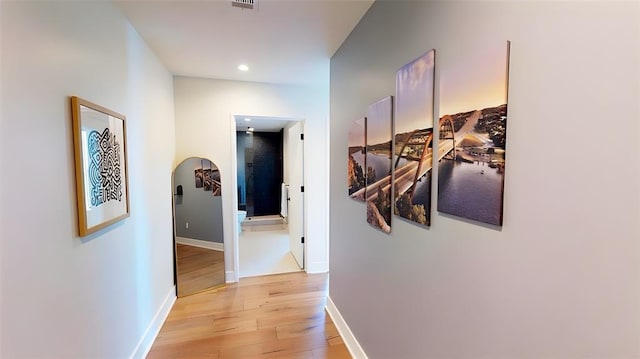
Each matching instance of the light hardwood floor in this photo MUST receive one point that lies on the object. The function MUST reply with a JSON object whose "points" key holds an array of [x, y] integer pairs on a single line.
{"points": [[277, 316], [198, 269]]}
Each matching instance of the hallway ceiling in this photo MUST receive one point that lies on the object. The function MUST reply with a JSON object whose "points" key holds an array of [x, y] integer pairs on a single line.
{"points": [[282, 41], [261, 123]]}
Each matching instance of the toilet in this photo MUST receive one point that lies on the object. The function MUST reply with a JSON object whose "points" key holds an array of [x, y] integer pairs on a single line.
{"points": [[241, 216]]}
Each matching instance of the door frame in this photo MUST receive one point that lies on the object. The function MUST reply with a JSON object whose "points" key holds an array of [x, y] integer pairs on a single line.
{"points": [[235, 247]]}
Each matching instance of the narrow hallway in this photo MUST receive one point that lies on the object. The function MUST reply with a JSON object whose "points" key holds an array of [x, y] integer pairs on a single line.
{"points": [[277, 316]]}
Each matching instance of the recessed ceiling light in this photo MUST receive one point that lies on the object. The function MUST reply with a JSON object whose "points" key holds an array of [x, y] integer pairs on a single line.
{"points": [[250, 129], [243, 67], [247, 120]]}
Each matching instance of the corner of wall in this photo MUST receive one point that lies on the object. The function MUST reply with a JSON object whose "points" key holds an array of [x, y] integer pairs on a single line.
{"points": [[350, 340], [317, 267], [230, 276], [144, 345]]}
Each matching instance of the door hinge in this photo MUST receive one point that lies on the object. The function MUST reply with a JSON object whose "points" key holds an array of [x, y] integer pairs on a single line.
{"points": [[302, 240], [302, 136], [301, 188]]}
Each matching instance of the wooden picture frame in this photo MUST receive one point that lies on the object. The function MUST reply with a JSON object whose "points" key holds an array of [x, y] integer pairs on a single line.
{"points": [[100, 151]]}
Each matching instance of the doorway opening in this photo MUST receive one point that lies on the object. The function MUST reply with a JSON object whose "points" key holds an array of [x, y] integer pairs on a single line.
{"points": [[270, 166], [260, 172]]}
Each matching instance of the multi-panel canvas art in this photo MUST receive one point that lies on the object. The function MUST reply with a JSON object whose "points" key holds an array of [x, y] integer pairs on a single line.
{"points": [[206, 175], [356, 161], [469, 149], [198, 176], [473, 132], [378, 164], [413, 159], [214, 177]]}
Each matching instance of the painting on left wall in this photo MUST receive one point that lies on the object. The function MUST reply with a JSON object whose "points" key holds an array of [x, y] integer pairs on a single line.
{"points": [[102, 187]]}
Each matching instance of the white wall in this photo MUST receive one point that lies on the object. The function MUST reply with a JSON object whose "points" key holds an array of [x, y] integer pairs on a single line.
{"points": [[65, 296], [204, 127], [561, 278]]}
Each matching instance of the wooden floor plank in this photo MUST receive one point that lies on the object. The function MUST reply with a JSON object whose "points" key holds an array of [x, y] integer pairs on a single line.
{"points": [[332, 352], [281, 299], [307, 354], [198, 269], [276, 347], [217, 343], [301, 328], [234, 326], [270, 317]]}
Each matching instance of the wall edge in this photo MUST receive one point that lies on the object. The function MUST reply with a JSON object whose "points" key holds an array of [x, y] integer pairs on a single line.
{"points": [[349, 339], [318, 267], [144, 345]]}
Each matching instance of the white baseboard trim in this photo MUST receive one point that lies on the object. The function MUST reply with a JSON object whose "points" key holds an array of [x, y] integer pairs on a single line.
{"points": [[317, 267], [200, 243], [230, 276], [149, 336], [349, 339]]}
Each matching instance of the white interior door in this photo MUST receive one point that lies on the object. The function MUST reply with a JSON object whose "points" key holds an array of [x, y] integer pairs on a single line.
{"points": [[295, 148]]}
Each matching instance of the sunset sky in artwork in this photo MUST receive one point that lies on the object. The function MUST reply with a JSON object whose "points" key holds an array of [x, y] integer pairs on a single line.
{"points": [[356, 133], [475, 81], [379, 122], [414, 94]]}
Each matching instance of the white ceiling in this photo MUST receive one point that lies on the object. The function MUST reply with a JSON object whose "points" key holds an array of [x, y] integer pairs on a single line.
{"points": [[261, 123], [282, 41]]}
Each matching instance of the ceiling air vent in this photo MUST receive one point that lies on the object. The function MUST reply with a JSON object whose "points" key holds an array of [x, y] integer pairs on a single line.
{"points": [[244, 4]]}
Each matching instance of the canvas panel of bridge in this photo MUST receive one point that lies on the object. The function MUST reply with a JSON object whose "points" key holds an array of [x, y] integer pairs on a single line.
{"points": [[417, 150]]}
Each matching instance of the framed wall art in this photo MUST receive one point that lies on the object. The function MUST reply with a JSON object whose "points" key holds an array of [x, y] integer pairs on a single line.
{"points": [[102, 187]]}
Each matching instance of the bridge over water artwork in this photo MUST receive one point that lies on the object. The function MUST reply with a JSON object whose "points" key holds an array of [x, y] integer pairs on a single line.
{"points": [[392, 172], [378, 155], [356, 164], [414, 139], [471, 173]]}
